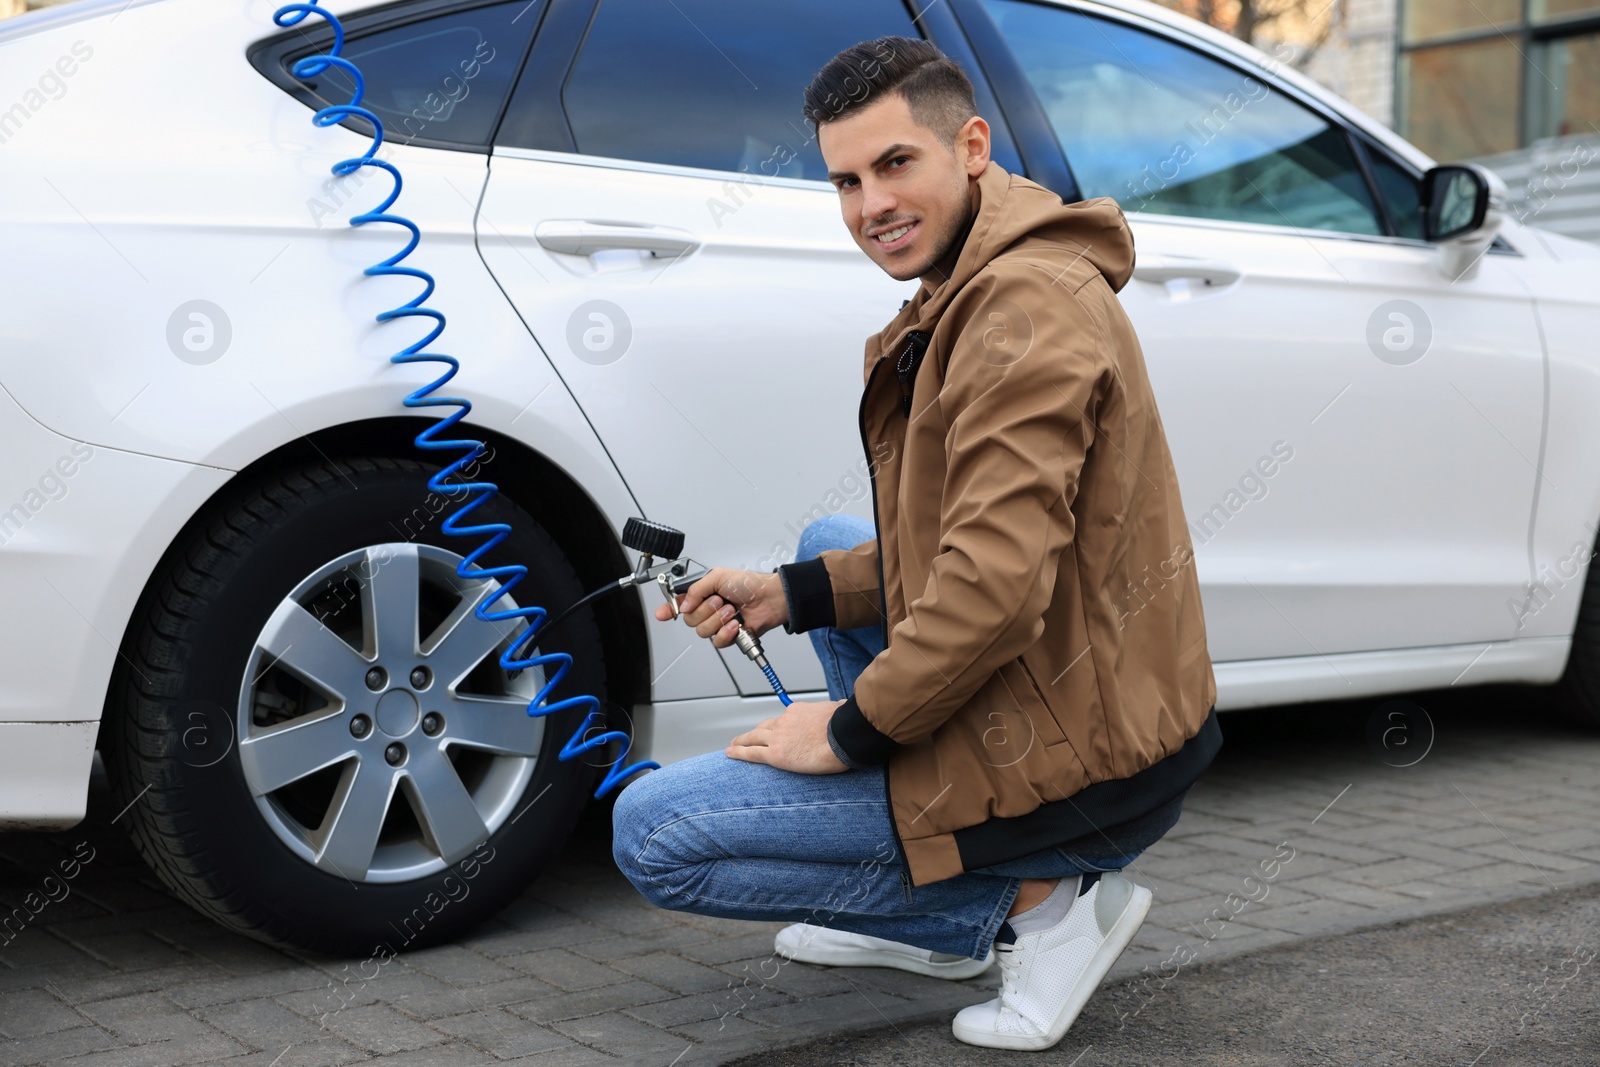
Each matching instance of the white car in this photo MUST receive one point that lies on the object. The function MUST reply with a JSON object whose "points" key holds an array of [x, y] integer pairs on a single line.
{"points": [[219, 559]]}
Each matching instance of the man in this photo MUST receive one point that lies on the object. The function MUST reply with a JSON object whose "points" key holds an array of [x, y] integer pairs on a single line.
{"points": [[1033, 696]]}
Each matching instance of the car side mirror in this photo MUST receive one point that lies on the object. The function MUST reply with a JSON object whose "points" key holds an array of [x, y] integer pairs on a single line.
{"points": [[1454, 200], [1462, 208]]}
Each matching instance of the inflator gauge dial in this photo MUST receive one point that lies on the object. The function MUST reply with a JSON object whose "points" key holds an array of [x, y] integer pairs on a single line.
{"points": [[652, 538]]}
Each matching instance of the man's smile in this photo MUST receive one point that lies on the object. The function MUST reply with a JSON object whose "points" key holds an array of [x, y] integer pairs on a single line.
{"points": [[895, 238]]}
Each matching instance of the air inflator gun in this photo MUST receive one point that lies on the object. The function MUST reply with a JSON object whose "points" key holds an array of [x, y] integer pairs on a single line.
{"points": [[652, 538]]}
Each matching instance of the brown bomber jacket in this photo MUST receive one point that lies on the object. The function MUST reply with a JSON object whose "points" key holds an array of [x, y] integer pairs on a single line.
{"points": [[1045, 670]]}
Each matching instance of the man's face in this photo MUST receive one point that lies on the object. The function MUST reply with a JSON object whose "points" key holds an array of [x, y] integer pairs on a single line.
{"points": [[906, 197]]}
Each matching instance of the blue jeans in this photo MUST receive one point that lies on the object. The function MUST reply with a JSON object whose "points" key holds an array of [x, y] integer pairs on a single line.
{"points": [[718, 836], [844, 653]]}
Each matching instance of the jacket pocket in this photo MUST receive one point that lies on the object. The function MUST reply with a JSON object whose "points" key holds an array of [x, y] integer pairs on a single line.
{"points": [[1042, 725]]}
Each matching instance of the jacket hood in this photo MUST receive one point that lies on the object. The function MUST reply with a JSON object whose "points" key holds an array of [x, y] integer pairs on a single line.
{"points": [[1011, 210]]}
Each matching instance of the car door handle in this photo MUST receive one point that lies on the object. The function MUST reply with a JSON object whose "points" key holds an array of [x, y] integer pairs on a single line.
{"points": [[1163, 269], [582, 237]]}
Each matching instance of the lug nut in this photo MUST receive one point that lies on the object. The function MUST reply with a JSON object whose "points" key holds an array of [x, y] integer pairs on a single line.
{"points": [[360, 726], [395, 754], [420, 677], [377, 678], [432, 723]]}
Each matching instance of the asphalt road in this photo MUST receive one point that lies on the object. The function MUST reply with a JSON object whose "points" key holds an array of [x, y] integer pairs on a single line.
{"points": [[1503, 985]]}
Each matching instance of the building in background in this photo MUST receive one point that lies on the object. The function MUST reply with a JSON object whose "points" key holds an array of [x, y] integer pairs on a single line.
{"points": [[1356, 58], [1458, 78], [1482, 77], [17, 7], [1511, 84]]}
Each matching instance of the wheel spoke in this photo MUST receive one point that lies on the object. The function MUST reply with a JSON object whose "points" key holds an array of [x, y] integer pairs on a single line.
{"points": [[389, 602], [449, 818], [500, 725], [463, 640], [297, 640], [285, 754], [349, 834]]}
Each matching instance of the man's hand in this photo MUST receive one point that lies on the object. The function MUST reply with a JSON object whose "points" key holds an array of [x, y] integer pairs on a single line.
{"points": [[708, 604], [796, 741]]}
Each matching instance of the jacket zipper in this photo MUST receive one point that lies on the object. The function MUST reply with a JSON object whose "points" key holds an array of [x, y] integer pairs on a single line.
{"points": [[883, 612], [872, 481], [906, 366]]}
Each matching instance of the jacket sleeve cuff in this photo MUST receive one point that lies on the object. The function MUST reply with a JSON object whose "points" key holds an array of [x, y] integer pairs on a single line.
{"points": [[856, 741], [809, 593], [843, 756]]}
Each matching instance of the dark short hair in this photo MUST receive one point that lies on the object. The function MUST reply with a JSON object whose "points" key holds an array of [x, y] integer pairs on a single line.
{"points": [[937, 91]]}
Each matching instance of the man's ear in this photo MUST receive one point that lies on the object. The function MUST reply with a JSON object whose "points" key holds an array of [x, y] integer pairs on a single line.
{"points": [[972, 146]]}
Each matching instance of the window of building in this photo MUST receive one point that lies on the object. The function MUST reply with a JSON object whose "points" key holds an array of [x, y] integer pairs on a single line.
{"points": [[1554, 10], [1569, 101], [1427, 19], [1478, 77], [1461, 100]]}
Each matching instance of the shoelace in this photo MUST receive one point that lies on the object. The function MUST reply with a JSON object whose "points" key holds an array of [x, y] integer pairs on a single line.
{"points": [[1010, 986], [1010, 973]]}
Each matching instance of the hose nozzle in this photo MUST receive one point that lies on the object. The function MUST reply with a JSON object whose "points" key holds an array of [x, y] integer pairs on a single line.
{"points": [[750, 645], [675, 583]]}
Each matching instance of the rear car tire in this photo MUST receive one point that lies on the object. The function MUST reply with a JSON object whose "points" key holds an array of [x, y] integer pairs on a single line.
{"points": [[312, 733]]}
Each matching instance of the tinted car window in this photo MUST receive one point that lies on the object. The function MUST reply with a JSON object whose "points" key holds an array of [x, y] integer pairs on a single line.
{"points": [[439, 79], [1400, 189], [1164, 129], [714, 83]]}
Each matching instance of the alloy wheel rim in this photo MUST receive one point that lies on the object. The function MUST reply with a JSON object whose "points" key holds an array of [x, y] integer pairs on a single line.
{"points": [[378, 734]]}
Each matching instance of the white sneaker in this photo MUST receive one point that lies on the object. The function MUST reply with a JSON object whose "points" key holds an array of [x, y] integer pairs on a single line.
{"points": [[1048, 976], [836, 948]]}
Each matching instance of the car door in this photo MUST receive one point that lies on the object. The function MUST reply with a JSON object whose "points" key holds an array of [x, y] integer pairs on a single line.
{"points": [[1355, 434], [657, 212]]}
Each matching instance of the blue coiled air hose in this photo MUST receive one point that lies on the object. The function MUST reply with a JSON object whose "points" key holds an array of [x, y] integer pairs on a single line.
{"points": [[777, 686], [511, 575], [750, 645]]}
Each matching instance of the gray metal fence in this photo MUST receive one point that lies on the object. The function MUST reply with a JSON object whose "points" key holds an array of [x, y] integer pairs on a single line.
{"points": [[1554, 184]]}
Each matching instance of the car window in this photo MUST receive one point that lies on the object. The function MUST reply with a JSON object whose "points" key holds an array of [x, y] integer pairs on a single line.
{"points": [[1400, 188], [714, 83], [1165, 129], [439, 79]]}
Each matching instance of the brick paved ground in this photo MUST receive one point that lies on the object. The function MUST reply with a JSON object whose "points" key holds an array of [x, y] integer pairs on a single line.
{"points": [[1304, 827]]}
